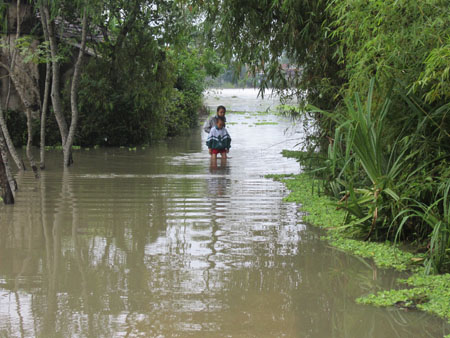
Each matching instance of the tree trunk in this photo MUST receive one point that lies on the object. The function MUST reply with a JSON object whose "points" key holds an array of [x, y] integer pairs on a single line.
{"points": [[56, 75], [74, 95], [30, 143], [56, 91], [14, 52], [45, 104], [21, 91], [44, 115], [7, 194], [4, 151], [4, 127]]}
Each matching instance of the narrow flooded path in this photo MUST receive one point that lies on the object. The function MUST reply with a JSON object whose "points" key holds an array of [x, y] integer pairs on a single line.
{"points": [[157, 243]]}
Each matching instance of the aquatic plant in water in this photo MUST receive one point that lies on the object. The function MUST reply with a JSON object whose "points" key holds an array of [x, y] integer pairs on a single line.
{"points": [[430, 293]]}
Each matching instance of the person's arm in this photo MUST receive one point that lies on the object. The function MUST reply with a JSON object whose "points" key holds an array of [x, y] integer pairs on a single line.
{"points": [[228, 141], [208, 125], [209, 140]]}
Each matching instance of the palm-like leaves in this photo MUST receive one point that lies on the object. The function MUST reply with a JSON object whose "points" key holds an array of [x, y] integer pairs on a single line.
{"points": [[375, 172]]}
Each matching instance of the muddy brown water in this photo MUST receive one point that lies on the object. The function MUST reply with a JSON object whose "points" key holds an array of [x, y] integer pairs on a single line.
{"points": [[157, 243]]}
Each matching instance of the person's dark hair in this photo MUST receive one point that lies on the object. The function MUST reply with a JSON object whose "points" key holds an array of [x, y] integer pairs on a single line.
{"points": [[221, 107], [220, 118]]}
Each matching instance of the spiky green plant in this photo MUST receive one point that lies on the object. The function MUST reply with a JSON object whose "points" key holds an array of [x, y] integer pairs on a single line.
{"points": [[393, 186]]}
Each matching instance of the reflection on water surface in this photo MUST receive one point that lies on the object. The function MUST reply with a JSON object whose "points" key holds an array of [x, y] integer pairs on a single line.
{"points": [[156, 243]]}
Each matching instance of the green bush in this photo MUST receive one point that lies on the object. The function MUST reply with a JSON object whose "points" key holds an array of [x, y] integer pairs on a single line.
{"points": [[393, 186]]}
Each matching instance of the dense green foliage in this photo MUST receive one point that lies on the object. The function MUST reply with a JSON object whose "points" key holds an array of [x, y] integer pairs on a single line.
{"points": [[148, 80], [374, 96], [392, 186], [144, 76], [136, 108], [394, 41]]}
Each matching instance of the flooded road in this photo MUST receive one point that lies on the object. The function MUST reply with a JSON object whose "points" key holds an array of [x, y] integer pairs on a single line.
{"points": [[156, 243]]}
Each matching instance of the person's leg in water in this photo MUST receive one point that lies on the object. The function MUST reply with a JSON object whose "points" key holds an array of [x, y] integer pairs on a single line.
{"points": [[213, 160], [223, 162]]}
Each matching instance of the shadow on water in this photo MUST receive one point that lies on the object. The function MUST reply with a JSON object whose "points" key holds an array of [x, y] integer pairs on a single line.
{"points": [[157, 242]]}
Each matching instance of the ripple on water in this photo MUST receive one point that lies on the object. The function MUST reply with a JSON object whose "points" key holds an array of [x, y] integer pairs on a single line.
{"points": [[159, 243]]}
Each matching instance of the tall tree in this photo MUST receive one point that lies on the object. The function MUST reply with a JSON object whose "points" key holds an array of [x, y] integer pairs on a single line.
{"points": [[12, 149], [50, 27], [67, 147], [24, 84], [67, 131], [23, 91], [45, 103]]}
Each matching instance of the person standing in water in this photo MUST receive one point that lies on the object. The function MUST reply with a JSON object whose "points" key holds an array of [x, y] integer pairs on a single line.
{"points": [[219, 141], [212, 121]]}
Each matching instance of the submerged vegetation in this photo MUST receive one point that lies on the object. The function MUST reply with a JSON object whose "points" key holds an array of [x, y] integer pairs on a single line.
{"points": [[430, 293], [322, 211], [266, 123]]}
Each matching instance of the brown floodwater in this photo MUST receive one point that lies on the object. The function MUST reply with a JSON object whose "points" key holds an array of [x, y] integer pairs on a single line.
{"points": [[158, 243]]}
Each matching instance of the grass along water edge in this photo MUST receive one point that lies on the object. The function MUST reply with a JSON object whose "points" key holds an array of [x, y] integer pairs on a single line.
{"points": [[429, 293]]}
